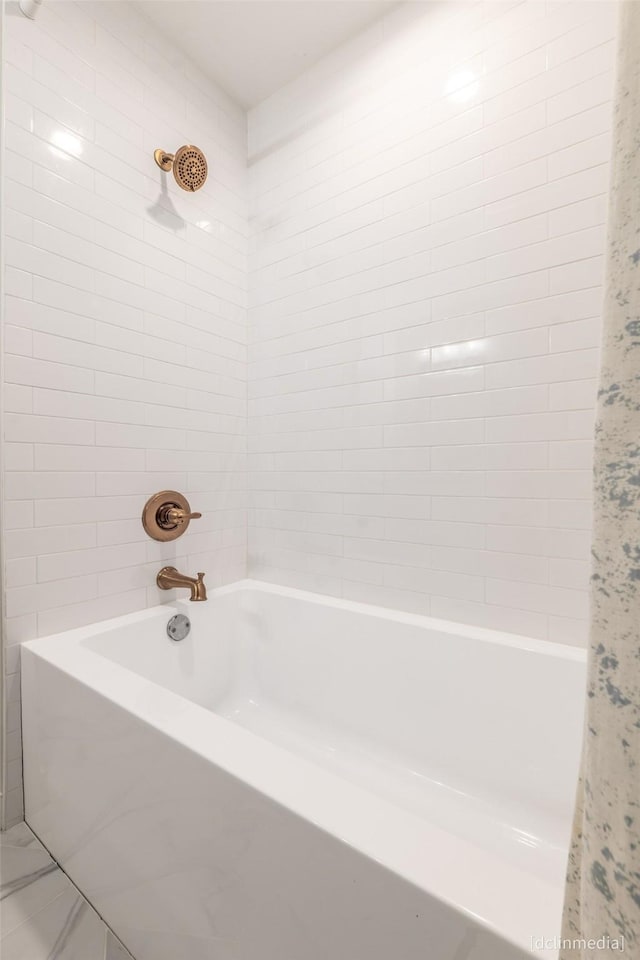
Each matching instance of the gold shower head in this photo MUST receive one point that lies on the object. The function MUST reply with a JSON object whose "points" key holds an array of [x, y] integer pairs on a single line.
{"points": [[189, 166]]}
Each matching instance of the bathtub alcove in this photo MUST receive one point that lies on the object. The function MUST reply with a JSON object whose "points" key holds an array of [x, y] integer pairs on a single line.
{"points": [[303, 776]]}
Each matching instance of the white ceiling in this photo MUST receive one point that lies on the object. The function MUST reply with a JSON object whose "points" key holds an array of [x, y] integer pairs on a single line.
{"points": [[253, 47]]}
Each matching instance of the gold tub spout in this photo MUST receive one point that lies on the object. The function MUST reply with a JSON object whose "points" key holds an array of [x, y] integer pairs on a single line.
{"points": [[169, 577]]}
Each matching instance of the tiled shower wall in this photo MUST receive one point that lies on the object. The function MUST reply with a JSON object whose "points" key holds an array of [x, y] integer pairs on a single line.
{"points": [[425, 289], [124, 327], [428, 210]]}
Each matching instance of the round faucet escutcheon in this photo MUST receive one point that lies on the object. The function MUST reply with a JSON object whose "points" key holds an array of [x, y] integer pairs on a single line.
{"points": [[166, 515]]}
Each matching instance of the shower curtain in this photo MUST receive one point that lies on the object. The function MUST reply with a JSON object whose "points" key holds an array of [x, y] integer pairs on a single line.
{"points": [[602, 904]]}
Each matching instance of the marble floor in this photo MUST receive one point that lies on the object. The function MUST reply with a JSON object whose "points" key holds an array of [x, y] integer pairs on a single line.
{"points": [[42, 914]]}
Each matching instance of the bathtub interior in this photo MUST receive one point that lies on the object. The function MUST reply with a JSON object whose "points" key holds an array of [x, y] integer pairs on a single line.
{"points": [[479, 735]]}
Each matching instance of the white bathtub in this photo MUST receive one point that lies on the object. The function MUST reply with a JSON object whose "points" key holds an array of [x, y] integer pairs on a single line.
{"points": [[306, 779]]}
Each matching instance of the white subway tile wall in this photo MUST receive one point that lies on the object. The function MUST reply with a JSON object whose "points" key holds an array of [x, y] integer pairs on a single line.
{"points": [[428, 223], [125, 323], [425, 266]]}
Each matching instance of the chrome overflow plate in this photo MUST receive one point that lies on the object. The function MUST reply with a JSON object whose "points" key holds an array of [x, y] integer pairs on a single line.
{"points": [[178, 627]]}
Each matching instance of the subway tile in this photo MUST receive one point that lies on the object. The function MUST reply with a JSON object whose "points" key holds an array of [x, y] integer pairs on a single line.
{"points": [[18, 456], [569, 630], [19, 516], [71, 563], [57, 593], [32, 485], [560, 425], [572, 455], [28, 428], [573, 395], [69, 615], [553, 600], [557, 368], [35, 372], [491, 403], [50, 537], [85, 459]]}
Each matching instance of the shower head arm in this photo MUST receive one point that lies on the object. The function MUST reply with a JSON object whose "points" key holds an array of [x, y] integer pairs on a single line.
{"points": [[164, 159]]}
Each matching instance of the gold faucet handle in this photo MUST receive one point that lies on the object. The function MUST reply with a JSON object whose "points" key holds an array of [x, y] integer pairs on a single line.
{"points": [[176, 515], [167, 515]]}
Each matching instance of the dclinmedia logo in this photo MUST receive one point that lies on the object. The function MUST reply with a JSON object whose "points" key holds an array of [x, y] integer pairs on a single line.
{"points": [[579, 944]]}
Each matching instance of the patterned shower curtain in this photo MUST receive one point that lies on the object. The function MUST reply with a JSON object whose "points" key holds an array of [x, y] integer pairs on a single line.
{"points": [[602, 904]]}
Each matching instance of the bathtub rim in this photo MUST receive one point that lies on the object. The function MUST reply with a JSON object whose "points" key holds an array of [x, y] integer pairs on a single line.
{"points": [[422, 854]]}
